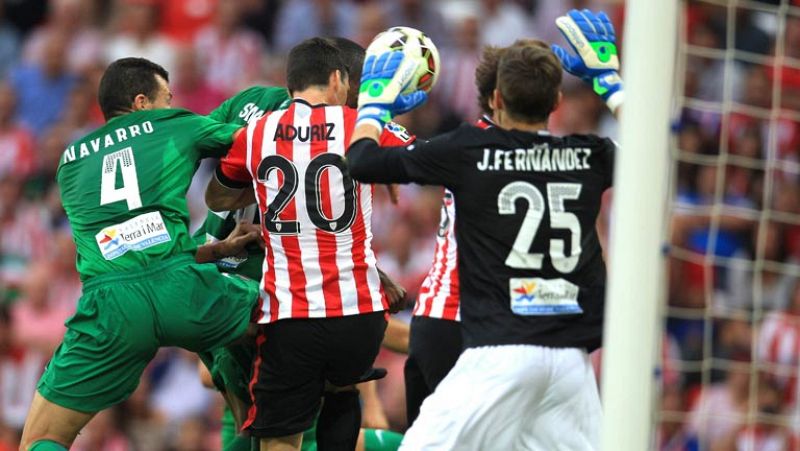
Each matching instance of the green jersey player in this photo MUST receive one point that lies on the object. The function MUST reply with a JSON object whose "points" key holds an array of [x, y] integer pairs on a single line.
{"points": [[123, 188]]}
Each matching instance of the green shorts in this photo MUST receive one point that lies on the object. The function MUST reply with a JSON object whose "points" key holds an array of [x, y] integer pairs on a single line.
{"points": [[122, 319]]}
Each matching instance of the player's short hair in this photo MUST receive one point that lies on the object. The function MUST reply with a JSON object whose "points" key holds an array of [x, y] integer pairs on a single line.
{"points": [[123, 80], [311, 62], [486, 75], [528, 78]]}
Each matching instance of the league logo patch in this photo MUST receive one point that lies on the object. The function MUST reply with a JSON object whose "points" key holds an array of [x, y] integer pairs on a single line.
{"points": [[536, 296], [136, 234]]}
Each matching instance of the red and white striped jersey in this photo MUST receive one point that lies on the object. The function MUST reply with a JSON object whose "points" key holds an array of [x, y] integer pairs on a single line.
{"points": [[438, 296], [779, 345], [319, 261]]}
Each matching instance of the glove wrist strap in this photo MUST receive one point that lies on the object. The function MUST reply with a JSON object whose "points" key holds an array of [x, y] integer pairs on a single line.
{"points": [[615, 100]]}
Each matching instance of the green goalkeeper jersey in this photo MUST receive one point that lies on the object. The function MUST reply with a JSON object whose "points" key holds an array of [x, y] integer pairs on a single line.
{"points": [[124, 187], [246, 106]]}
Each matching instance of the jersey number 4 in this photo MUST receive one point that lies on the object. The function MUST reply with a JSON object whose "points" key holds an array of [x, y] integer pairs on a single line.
{"points": [[313, 194], [520, 256], [129, 191]]}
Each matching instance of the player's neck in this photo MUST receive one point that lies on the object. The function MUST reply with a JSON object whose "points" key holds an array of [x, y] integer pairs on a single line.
{"points": [[508, 123], [315, 96]]}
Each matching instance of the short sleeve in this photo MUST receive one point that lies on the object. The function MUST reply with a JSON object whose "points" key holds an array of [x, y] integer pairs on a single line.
{"points": [[395, 134], [212, 138], [232, 170]]}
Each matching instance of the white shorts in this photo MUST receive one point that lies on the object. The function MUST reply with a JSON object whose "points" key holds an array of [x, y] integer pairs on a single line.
{"points": [[517, 397]]}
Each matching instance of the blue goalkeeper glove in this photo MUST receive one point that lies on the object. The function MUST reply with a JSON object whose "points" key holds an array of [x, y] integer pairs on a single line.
{"points": [[592, 38], [383, 79]]}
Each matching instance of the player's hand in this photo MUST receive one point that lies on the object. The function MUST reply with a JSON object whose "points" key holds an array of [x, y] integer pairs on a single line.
{"points": [[591, 36], [383, 79], [243, 234], [395, 294]]}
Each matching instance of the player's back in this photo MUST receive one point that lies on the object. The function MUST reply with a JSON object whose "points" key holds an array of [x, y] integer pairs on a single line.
{"points": [[319, 260], [124, 186], [530, 261]]}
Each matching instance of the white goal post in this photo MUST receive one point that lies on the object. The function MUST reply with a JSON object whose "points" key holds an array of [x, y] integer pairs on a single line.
{"points": [[632, 330]]}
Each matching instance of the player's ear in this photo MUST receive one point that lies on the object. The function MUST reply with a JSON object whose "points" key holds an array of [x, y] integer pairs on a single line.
{"points": [[496, 100], [558, 101], [140, 102]]}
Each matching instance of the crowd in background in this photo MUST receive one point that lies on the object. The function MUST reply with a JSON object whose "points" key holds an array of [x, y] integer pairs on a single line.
{"points": [[53, 53]]}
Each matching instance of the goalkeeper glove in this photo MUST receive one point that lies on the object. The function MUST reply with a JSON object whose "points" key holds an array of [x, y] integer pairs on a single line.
{"points": [[592, 37], [383, 78]]}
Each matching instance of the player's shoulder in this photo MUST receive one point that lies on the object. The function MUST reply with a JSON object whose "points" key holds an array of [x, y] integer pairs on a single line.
{"points": [[586, 140]]}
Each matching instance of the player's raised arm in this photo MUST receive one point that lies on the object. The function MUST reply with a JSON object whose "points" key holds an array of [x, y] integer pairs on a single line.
{"points": [[591, 36]]}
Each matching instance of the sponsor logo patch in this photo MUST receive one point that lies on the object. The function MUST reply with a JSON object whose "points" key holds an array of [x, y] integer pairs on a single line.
{"points": [[135, 234], [536, 296]]}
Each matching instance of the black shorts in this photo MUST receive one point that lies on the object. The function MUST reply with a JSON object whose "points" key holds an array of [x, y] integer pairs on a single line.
{"points": [[434, 347], [294, 360]]}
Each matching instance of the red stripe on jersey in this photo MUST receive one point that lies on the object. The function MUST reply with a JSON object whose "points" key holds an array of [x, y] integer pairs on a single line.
{"points": [[326, 242], [253, 410], [291, 245], [451, 306], [360, 267], [268, 279]]}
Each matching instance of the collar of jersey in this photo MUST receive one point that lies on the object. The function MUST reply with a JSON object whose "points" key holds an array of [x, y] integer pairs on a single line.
{"points": [[305, 102]]}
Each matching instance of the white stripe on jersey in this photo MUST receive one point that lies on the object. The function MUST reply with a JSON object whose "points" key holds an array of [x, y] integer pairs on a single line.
{"points": [[438, 297], [310, 238]]}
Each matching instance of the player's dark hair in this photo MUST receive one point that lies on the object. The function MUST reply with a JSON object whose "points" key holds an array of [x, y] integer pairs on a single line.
{"points": [[486, 75], [311, 62], [529, 78], [352, 56], [123, 80]]}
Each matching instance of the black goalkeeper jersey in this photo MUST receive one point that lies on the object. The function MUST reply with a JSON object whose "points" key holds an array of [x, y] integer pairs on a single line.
{"points": [[530, 263]]}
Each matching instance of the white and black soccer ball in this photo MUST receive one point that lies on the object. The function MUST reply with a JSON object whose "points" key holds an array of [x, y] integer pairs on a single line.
{"points": [[415, 44]]}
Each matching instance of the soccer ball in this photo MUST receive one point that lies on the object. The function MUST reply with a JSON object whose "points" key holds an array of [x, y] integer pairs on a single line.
{"points": [[415, 44]]}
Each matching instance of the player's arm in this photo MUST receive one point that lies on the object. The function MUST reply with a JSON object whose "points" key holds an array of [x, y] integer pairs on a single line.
{"points": [[395, 293], [433, 162], [231, 186], [234, 244], [396, 336], [591, 36]]}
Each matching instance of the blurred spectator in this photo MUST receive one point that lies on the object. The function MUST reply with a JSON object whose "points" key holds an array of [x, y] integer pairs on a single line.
{"points": [[302, 19], [24, 232], [102, 433], [721, 408], [230, 55], [673, 435], [20, 368], [137, 34], [43, 88], [773, 288], [181, 19], [422, 15], [78, 119], [9, 44], [503, 22], [17, 153], [38, 320], [371, 21], [455, 90], [779, 346], [71, 21], [179, 394], [190, 89]]}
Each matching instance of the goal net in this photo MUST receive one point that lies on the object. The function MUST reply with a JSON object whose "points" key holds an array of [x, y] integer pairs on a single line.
{"points": [[731, 347]]}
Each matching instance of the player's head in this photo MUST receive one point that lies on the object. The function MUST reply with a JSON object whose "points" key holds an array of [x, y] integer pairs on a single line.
{"points": [[486, 76], [486, 72], [132, 84], [353, 58], [317, 63], [528, 82]]}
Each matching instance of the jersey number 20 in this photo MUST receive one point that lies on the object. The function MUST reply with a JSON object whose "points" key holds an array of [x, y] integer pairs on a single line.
{"points": [[313, 193], [520, 256]]}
